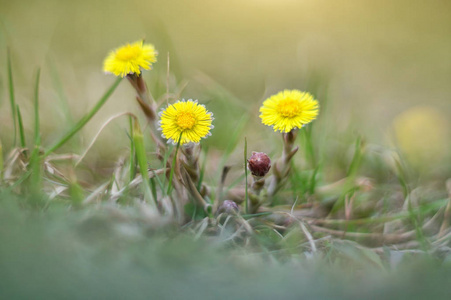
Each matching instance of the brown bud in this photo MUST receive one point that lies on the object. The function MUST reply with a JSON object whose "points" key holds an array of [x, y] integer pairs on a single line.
{"points": [[228, 207], [259, 164]]}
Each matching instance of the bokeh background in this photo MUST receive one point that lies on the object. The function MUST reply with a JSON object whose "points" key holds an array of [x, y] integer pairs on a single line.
{"points": [[379, 68]]}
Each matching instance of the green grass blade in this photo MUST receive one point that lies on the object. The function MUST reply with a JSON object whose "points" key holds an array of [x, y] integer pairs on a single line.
{"points": [[138, 140], [401, 174], [297, 182], [37, 130], [157, 178], [132, 167], [36, 159], [357, 158], [313, 180], [351, 174], [25, 176], [202, 170], [76, 192], [153, 188], [307, 144], [21, 129], [174, 160], [416, 219], [36, 171], [165, 161], [80, 124], [11, 95]]}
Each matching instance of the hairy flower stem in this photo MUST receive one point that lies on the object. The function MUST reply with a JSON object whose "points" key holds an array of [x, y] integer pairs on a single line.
{"points": [[191, 163], [145, 101], [147, 105], [191, 177], [257, 195], [282, 166], [257, 185]]}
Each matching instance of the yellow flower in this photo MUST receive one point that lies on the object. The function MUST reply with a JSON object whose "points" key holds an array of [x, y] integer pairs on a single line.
{"points": [[288, 110], [130, 58], [186, 118]]}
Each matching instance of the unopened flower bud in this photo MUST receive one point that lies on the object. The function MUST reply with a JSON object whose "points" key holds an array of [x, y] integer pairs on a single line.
{"points": [[228, 207], [259, 164]]}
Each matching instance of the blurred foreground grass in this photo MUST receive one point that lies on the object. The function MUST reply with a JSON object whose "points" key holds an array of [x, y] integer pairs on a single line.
{"points": [[110, 253]]}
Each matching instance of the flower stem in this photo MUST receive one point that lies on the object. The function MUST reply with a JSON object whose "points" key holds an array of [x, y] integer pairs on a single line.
{"points": [[173, 166]]}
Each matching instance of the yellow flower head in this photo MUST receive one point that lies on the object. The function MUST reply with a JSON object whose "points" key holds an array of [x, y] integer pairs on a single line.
{"points": [[288, 110], [130, 58], [186, 118]]}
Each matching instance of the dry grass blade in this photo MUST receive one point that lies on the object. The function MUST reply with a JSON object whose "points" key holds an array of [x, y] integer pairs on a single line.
{"points": [[96, 193], [202, 226], [304, 229], [100, 131], [136, 183]]}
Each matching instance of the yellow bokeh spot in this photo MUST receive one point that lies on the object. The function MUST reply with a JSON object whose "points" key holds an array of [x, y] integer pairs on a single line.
{"points": [[422, 134]]}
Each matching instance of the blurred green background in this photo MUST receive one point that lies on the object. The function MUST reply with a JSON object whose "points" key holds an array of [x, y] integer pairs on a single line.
{"points": [[368, 62], [380, 69]]}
